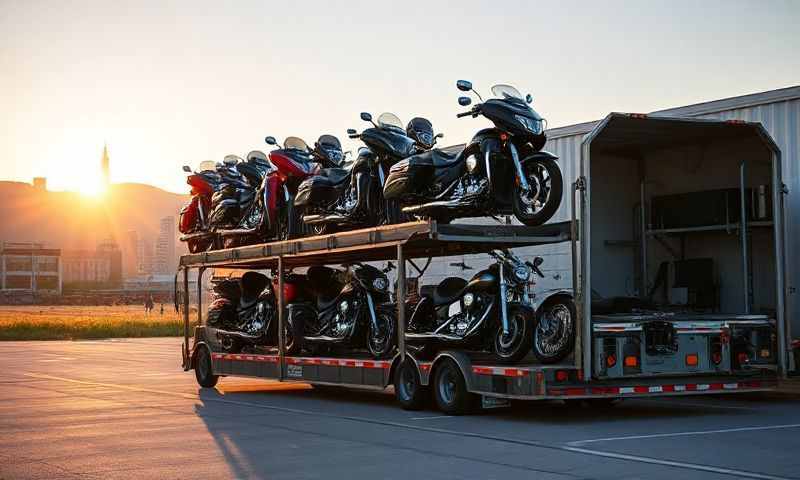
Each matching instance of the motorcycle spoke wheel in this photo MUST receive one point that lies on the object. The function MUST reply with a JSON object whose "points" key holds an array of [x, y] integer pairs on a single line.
{"points": [[381, 340], [555, 332], [538, 204], [513, 346]]}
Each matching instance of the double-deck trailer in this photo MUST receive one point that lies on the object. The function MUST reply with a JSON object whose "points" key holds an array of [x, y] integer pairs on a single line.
{"points": [[616, 355]]}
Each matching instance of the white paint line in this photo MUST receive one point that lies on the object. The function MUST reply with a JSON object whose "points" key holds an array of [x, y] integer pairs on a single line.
{"points": [[685, 434], [670, 463], [431, 417]]}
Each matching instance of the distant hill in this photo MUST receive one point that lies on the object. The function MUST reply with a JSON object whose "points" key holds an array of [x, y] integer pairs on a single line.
{"points": [[70, 221]]}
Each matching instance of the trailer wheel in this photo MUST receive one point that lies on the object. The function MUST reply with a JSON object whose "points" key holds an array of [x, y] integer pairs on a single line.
{"points": [[450, 390], [203, 369], [407, 387]]}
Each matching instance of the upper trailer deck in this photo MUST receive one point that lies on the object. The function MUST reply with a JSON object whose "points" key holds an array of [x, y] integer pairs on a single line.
{"points": [[419, 240]]}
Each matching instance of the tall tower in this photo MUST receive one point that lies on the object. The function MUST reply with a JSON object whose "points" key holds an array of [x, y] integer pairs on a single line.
{"points": [[105, 165]]}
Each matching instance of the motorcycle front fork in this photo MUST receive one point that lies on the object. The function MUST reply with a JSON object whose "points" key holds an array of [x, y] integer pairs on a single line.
{"points": [[503, 300]]}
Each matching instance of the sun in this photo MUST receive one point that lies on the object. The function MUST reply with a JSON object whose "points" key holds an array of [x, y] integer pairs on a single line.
{"points": [[92, 189]]}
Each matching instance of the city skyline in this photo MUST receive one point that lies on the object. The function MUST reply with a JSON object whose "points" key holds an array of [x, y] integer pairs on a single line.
{"points": [[178, 83]]}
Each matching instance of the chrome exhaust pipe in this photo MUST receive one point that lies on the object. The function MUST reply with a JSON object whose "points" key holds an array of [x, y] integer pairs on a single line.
{"points": [[436, 204], [317, 219]]}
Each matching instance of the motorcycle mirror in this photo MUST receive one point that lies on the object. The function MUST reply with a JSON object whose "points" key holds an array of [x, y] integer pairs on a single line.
{"points": [[528, 98], [351, 131], [464, 85], [464, 101], [439, 135], [366, 117], [230, 160], [271, 141], [537, 261], [187, 169]]}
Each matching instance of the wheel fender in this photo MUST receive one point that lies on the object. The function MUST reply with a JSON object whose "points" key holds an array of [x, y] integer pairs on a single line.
{"points": [[423, 377], [538, 157], [197, 346], [461, 359], [545, 295]]}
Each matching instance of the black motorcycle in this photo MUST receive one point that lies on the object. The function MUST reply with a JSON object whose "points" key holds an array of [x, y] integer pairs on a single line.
{"points": [[352, 196], [350, 308], [502, 171], [490, 312], [243, 314], [240, 180]]}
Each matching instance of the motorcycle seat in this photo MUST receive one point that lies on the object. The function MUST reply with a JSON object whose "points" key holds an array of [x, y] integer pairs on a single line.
{"points": [[335, 175], [447, 291], [439, 157]]}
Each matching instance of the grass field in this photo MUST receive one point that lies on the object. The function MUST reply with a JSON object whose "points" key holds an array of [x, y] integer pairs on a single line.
{"points": [[34, 322]]}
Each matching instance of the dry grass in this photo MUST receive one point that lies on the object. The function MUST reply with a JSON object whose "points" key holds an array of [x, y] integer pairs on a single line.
{"points": [[33, 322]]}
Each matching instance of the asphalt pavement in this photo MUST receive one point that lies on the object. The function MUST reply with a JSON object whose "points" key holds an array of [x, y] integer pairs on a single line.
{"points": [[125, 409]]}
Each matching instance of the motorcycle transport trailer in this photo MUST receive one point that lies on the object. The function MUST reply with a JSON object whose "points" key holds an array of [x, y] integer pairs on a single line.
{"points": [[654, 353]]}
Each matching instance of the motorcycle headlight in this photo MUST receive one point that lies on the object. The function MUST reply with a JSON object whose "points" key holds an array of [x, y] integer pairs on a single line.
{"points": [[344, 306], [530, 124], [468, 299], [380, 283], [522, 273], [472, 163]]}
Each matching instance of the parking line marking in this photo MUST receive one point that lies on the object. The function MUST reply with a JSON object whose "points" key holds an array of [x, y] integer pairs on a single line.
{"points": [[669, 401], [684, 434], [431, 417], [670, 463], [567, 448]]}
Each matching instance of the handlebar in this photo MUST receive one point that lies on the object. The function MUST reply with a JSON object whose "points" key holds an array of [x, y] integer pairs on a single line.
{"points": [[464, 114], [535, 269]]}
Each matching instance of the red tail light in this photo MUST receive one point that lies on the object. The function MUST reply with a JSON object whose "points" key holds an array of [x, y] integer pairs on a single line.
{"points": [[611, 360], [631, 361], [562, 375], [692, 360]]}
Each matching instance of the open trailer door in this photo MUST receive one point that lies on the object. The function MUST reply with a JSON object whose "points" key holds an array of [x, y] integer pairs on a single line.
{"points": [[682, 247]]}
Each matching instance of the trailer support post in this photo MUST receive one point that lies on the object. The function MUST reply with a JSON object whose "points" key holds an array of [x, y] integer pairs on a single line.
{"points": [[401, 302], [281, 323], [743, 236], [576, 287], [200, 272], [186, 314]]}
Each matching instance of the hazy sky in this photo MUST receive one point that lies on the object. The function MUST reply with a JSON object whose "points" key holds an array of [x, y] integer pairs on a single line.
{"points": [[171, 83]]}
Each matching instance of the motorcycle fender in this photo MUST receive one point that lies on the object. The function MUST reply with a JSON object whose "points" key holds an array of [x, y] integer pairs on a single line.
{"points": [[538, 157], [543, 296], [271, 193]]}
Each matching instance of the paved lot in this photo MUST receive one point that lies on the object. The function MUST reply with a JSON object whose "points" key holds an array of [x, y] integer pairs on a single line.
{"points": [[124, 409]]}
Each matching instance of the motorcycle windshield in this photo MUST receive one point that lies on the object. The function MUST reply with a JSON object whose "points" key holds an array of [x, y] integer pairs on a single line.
{"points": [[505, 92], [207, 166], [390, 120], [295, 143]]}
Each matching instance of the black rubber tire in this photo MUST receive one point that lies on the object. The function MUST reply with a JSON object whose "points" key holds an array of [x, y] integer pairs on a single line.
{"points": [[293, 342], [408, 390], [203, 370], [450, 390], [517, 345], [381, 343], [559, 354], [552, 203]]}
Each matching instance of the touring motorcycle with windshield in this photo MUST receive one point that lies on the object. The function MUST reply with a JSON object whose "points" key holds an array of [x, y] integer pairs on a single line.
{"points": [[194, 222], [501, 171], [352, 196], [271, 214], [348, 308]]}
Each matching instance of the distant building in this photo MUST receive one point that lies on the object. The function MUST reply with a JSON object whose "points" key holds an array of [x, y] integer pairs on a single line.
{"points": [[101, 268], [40, 183], [130, 254], [144, 256], [30, 267], [105, 165], [165, 247]]}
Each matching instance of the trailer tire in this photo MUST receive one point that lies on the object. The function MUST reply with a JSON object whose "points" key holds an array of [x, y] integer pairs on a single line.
{"points": [[203, 369], [450, 390], [408, 389]]}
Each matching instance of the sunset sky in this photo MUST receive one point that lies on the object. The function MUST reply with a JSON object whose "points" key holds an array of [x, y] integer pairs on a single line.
{"points": [[173, 83]]}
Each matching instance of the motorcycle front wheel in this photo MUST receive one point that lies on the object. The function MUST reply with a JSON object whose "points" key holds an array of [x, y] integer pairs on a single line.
{"points": [[381, 339], [513, 346], [554, 336], [537, 205]]}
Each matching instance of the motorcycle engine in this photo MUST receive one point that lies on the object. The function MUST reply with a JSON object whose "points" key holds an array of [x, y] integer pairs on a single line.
{"points": [[461, 323]]}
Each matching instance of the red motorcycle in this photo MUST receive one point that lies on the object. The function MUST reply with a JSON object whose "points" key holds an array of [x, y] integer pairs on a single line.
{"points": [[272, 216], [193, 222]]}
